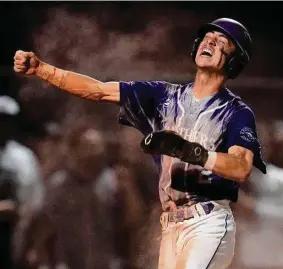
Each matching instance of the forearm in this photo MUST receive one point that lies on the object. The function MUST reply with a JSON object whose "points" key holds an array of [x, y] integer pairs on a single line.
{"points": [[74, 83], [229, 166], [235, 165]]}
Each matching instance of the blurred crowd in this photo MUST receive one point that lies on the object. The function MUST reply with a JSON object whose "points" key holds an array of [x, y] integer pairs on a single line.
{"points": [[82, 196], [74, 198]]}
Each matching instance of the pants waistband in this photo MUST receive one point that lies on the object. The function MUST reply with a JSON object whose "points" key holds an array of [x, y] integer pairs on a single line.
{"points": [[186, 213]]}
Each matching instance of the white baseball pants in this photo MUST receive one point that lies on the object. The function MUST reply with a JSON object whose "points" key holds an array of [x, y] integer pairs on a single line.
{"points": [[203, 242]]}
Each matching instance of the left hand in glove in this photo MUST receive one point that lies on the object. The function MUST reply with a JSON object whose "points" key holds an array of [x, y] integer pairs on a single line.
{"points": [[172, 144]]}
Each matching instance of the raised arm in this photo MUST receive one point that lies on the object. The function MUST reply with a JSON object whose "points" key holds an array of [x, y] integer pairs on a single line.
{"points": [[77, 84]]}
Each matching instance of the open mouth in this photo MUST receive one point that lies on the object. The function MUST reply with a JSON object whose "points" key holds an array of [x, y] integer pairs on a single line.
{"points": [[206, 52]]}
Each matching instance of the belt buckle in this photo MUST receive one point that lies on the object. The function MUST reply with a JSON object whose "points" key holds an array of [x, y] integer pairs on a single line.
{"points": [[179, 215], [207, 207]]}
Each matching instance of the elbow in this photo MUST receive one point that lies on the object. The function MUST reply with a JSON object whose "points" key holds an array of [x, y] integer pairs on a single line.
{"points": [[93, 92], [100, 93]]}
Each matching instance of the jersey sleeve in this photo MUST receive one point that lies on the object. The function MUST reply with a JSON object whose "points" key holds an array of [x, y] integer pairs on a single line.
{"points": [[139, 103], [241, 131]]}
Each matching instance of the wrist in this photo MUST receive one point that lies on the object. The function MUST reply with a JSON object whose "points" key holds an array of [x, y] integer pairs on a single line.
{"points": [[51, 74], [44, 70], [211, 160]]}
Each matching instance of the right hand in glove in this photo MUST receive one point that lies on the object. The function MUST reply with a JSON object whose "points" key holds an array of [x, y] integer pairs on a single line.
{"points": [[172, 144]]}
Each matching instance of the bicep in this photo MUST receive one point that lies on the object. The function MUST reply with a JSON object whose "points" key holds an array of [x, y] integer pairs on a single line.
{"points": [[241, 132], [243, 153]]}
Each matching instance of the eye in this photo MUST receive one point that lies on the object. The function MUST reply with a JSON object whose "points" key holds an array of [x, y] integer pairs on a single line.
{"points": [[223, 41], [207, 36]]}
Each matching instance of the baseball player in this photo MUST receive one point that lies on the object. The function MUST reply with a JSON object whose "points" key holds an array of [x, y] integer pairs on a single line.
{"points": [[202, 137]]}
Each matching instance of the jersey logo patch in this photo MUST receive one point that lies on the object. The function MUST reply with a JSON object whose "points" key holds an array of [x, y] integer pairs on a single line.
{"points": [[247, 134]]}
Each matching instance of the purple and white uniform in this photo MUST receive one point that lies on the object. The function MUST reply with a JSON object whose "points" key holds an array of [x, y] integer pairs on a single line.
{"points": [[216, 122]]}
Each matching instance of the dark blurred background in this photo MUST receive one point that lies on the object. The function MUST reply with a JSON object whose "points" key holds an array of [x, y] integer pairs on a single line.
{"points": [[128, 41]]}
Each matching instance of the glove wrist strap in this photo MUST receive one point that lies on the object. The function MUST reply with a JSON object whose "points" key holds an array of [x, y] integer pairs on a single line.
{"points": [[52, 74], [194, 153], [211, 160]]}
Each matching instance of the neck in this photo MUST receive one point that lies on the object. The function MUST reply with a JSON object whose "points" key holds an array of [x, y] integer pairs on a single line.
{"points": [[206, 84]]}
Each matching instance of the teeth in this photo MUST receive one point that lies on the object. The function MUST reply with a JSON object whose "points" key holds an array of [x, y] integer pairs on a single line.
{"points": [[208, 51]]}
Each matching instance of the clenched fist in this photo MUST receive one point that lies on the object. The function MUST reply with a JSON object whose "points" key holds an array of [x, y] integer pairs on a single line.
{"points": [[25, 62]]}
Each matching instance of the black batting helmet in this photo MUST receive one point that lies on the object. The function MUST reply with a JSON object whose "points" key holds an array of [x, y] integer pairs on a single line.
{"points": [[238, 34]]}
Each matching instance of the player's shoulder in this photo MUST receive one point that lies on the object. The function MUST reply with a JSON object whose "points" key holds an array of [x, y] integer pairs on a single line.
{"points": [[237, 103], [175, 87], [170, 86], [156, 84], [238, 106]]}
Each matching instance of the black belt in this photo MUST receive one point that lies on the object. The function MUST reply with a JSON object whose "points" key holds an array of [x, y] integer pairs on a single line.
{"points": [[186, 213]]}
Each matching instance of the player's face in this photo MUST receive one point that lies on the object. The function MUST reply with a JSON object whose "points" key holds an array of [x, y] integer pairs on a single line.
{"points": [[213, 51]]}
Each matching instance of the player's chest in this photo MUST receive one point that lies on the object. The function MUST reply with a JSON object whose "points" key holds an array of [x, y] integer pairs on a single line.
{"points": [[196, 123]]}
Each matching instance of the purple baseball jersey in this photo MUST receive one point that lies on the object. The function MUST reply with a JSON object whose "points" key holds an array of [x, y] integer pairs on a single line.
{"points": [[216, 122]]}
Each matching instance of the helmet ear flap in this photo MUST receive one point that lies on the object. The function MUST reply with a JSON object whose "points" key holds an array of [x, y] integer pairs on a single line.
{"points": [[195, 48], [235, 65]]}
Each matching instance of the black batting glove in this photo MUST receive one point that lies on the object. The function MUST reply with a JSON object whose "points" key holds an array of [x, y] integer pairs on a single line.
{"points": [[172, 144]]}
